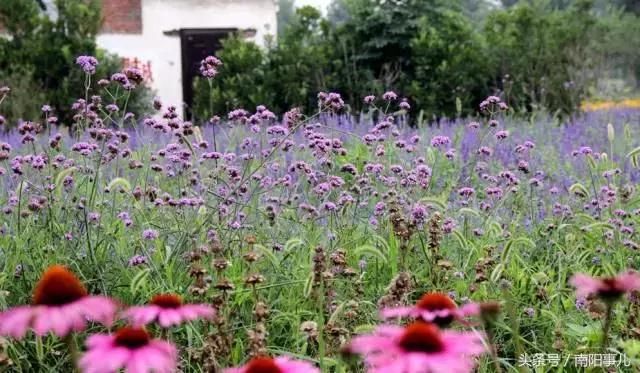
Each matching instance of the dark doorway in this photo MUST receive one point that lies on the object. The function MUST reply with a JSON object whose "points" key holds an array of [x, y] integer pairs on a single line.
{"points": [[196, 45]]}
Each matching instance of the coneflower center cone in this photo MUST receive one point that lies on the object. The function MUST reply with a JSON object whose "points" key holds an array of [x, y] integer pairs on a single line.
{"points": [[167, 300], [58, 286], [421, 337], [132, 337], [612, 290], [263, 365], [437, 302]]}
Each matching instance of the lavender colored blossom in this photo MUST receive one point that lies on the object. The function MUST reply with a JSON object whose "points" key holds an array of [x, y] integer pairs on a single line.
{"points": [[88, 64]]}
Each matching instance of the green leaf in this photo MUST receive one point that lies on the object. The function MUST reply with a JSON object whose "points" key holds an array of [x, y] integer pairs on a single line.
{"points": [[139, 280], [292, 243], [119, 181], [634, 152], [365, 250], [579, 189]]}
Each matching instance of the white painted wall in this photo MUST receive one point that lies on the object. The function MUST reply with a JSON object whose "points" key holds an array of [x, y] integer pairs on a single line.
{"points": [[164, 53]]}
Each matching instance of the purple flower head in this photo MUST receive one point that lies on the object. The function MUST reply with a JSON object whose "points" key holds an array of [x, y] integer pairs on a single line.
{"points": [[87, 63], [332, 101], [501, 135], [438, 141], [369, 99], [209, 67], [150, 234], [419, 213], [485, 150], [94, 217], [450, 154], [138, 260], [466, 192], [389, 96]]}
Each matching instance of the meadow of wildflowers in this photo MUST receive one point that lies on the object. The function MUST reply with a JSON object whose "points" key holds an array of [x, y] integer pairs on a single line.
{"points": [[316, 242]]}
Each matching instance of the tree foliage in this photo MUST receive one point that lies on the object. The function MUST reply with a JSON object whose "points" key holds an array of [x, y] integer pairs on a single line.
{"points": [[41, 52]]}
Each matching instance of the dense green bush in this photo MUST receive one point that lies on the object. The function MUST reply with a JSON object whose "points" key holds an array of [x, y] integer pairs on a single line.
{"points": [[537, 54], [544, 57], [290, 73], [41, 50], [451, 67]]}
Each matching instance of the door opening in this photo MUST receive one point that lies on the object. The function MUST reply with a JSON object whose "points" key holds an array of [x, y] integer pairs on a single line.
{"points": [[196, 44]]}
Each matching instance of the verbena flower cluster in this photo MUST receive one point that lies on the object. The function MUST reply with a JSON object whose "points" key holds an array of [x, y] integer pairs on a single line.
{"points": [[299, 240]]}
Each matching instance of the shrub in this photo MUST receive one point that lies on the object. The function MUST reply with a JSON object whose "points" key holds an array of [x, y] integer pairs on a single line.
{"points": [[544, 58], [450, 70], [45, 48]]}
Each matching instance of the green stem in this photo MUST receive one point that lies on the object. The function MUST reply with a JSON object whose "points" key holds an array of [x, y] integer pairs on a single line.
{"points": [[606, 328], [492, 346], [73, 351]]}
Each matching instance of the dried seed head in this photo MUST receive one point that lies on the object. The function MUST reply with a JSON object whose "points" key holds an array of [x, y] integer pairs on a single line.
{"points": [[310, 329], [221, 264], [254, 279], [224, 285], [251, 257]]}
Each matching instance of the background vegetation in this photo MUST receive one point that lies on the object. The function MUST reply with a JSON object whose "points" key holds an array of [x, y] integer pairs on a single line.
{"points": [[539, 54], [444, 56], [37, 59]]}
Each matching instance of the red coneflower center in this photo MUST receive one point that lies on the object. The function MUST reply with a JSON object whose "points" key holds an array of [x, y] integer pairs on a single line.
{"points": [[167, 300], [611, 289], [58, 286], [132, 337], [262, 365], [421, 337], [436, 302]]}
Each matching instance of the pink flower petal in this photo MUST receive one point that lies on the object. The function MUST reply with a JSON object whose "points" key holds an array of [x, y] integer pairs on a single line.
{"points": [[16, 321]]}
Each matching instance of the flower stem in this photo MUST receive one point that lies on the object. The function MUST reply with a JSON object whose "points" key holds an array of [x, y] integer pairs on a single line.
{"points": [[73, 350], [607, 326], [492, 347]]}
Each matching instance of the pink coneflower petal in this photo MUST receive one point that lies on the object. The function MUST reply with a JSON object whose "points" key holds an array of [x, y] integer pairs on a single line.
{"points": [[16, 321], [167, 310], [280, 364], [433, 307], [629, 281], [61, 305], [585, 284], [388, 313], [608, 288], [418, 348], [469, 309], [130, 348]]}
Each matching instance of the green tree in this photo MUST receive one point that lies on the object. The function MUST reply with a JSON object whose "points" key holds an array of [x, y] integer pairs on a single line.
{"points": [[450, 65], [44, 49], [286, 12], [544, 57]]}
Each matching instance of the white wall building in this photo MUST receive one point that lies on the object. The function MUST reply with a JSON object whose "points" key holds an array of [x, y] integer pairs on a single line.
{"points": [[168, 38]]}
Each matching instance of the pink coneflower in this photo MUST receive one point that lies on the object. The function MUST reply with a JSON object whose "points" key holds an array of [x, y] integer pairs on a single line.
{"points": [[437, 308], [130, 349], [418, 348], [168, 310], [60, 305], [607, 288], [278, 365]]}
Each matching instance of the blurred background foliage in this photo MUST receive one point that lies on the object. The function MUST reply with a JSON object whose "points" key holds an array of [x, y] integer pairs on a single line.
{"points": [[37, 59], [443, 55], [539, 54]]}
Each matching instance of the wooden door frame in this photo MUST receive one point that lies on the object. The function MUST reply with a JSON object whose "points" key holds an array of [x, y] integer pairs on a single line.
{"points": [[187, 83]]}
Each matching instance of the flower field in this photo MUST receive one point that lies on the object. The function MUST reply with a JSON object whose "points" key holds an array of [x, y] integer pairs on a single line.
{"points": [[317, 241]]}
